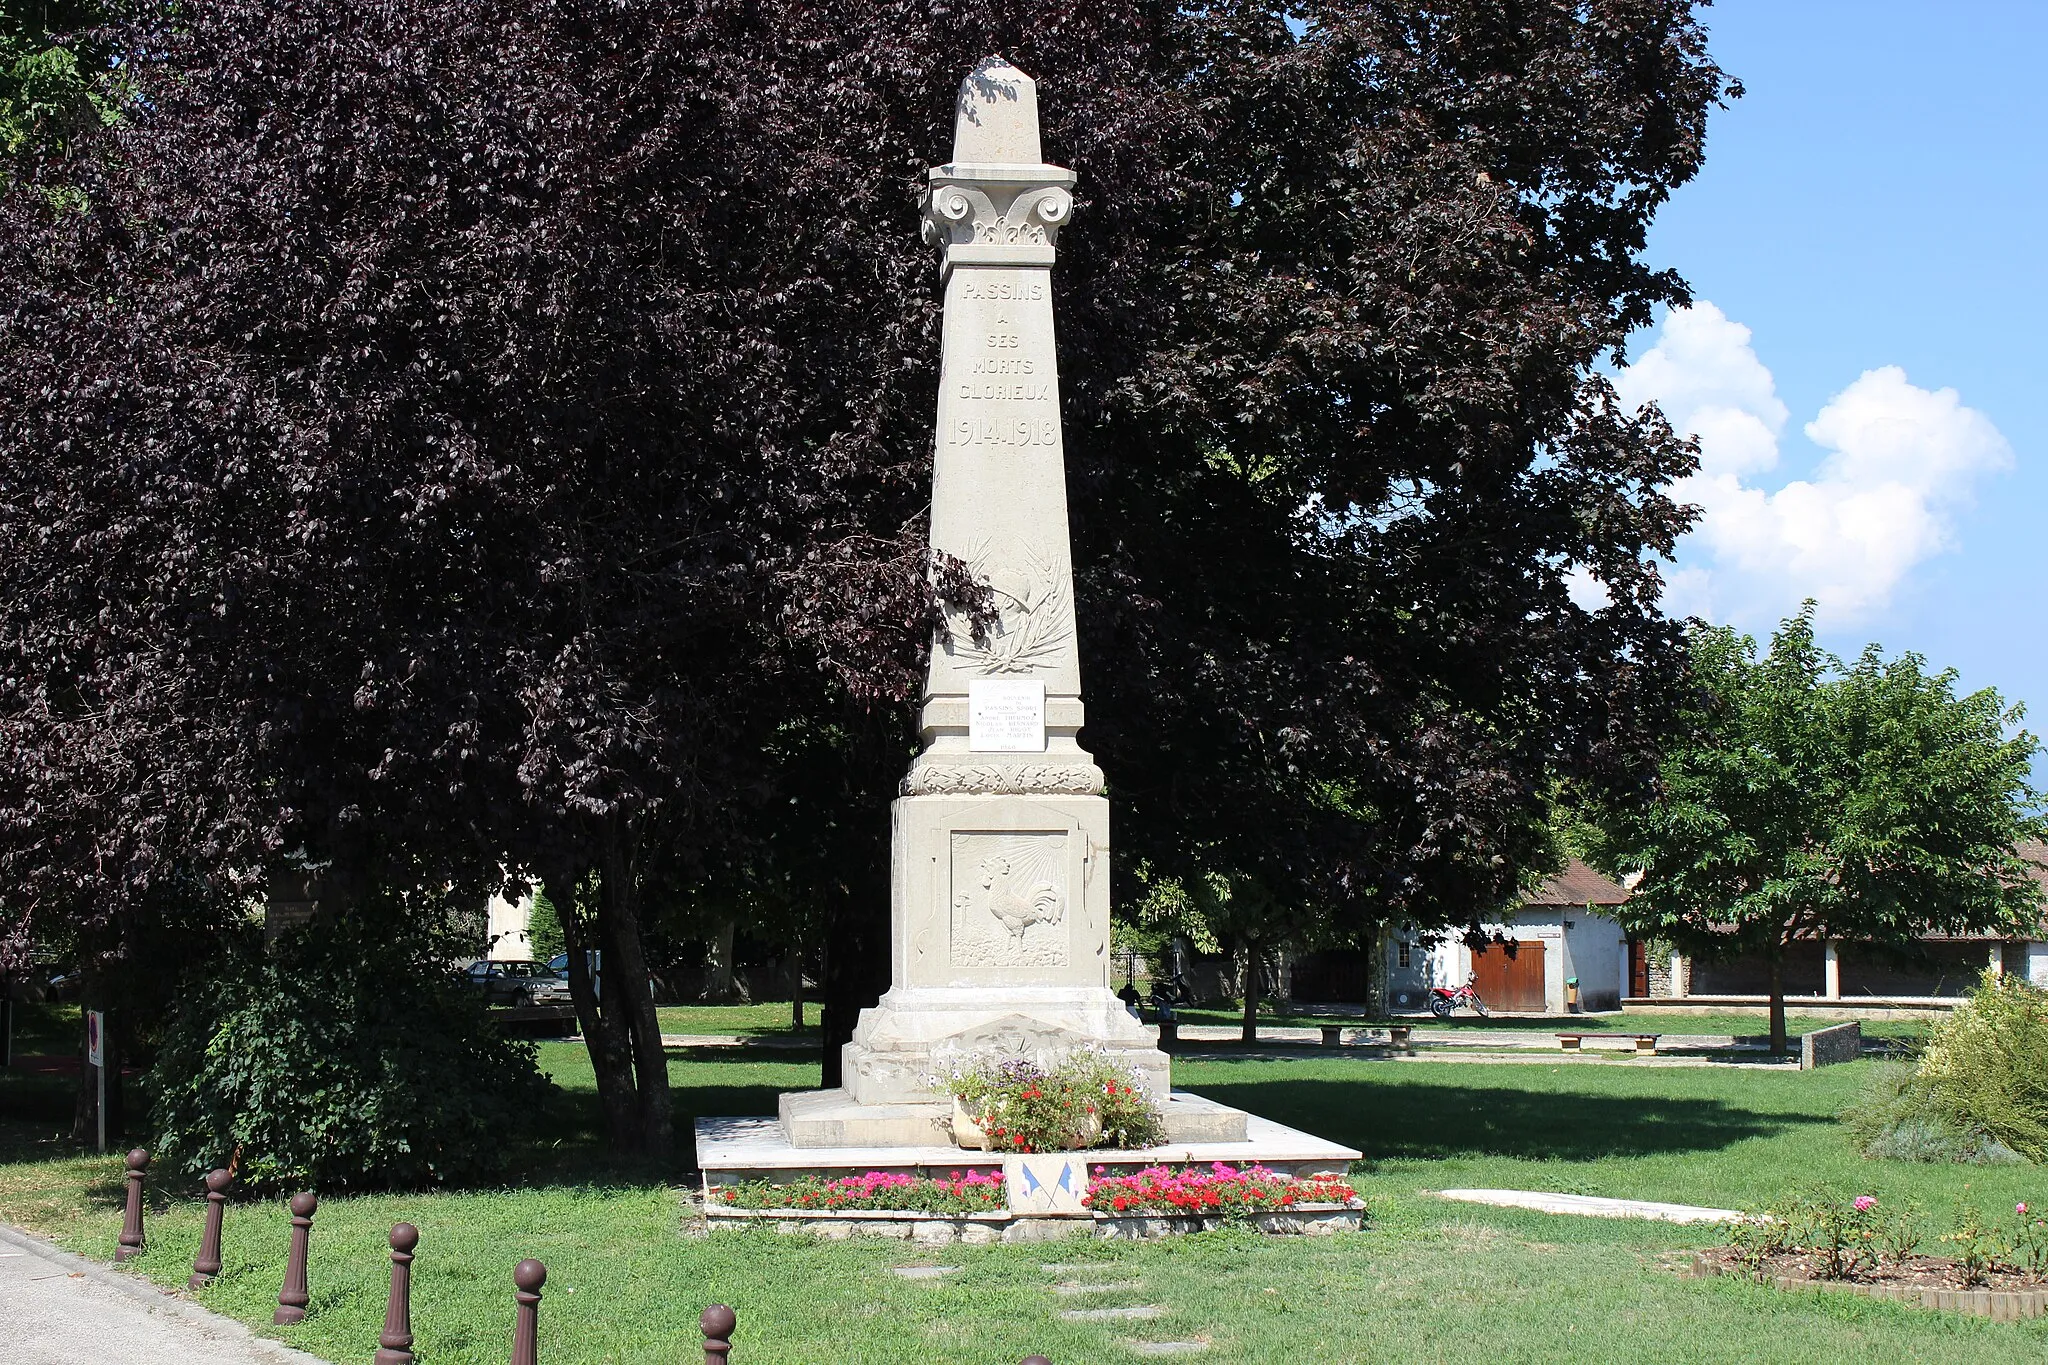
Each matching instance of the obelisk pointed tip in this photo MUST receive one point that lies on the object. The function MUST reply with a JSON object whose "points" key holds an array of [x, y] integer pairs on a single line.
{"points": [[997, 117]]}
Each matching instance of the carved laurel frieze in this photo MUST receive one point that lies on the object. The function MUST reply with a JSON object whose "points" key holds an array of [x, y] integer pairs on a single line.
{"points": [[993, 779]]}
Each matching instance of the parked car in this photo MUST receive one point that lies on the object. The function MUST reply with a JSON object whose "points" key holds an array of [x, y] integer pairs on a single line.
{"points": [[516, 983], [559, 965]]}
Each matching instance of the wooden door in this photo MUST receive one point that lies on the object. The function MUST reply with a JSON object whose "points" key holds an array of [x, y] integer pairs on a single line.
{"points": [[1638, 968], [1511, 983]]}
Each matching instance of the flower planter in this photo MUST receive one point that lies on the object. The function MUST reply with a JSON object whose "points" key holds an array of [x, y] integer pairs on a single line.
{"points": [[969, 1135], [967, 1132]]}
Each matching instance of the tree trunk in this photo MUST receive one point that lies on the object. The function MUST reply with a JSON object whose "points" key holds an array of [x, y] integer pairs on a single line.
{"points": [[796, 989], [626, 963], [856, 953], [611, 1056], [1248, 1030], [718, 989], [1778, 1004]]}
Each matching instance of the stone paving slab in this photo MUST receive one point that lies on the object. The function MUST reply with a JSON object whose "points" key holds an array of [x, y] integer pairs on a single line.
{"points": [[1592, 1206], [61, 1309]]}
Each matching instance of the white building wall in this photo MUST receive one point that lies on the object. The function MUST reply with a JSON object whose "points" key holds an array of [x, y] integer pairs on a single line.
{"points": [[508, 922], [2037, 964], [1593, 949]]}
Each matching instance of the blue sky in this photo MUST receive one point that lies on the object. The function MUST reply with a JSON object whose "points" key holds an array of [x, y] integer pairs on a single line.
{"points": [[1868, 231]]}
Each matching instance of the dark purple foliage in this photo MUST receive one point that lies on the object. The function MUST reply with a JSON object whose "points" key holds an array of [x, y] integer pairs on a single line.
{"points": [[455, 437]]}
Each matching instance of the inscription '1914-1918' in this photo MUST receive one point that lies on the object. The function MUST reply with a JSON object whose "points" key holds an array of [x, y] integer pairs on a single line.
{"points": [[991, 432]]}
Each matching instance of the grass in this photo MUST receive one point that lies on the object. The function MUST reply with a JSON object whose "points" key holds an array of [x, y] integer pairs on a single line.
{"points": [[767, 1018], [1741, 1024], [1429, 1281]]}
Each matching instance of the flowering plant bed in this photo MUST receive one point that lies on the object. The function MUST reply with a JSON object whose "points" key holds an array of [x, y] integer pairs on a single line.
{"points": [[1215, 1189], [894, 1191], [1085, 1100], [1821, 1238]]}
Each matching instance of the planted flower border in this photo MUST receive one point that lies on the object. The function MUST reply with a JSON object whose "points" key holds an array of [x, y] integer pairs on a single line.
{"points": [[1822, 1241], [970, 1207]]}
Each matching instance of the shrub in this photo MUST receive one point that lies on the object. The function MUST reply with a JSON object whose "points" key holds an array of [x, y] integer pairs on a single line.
{"points": [[1979, 1092], [341, 1059], [1987, 1064]]}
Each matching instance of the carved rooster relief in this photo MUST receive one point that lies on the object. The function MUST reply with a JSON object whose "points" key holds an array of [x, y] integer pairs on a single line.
{"points": [[1015, 904]]}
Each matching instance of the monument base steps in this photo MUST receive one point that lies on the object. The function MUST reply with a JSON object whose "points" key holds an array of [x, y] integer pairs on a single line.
{"points": [[824, 1119], [733, 1150]]}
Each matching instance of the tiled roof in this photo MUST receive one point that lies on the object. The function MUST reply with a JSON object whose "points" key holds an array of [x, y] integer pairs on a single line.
{"points": [[1577, 885], [2035, 852]]}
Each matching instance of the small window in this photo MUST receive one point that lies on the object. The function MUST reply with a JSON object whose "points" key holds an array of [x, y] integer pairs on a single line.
{"points": [[1404, 954]]}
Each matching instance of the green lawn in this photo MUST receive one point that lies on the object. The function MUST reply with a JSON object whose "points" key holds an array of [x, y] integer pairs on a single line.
{"points": [[1738, 1023], [769, 1018], [1430, 1281]]}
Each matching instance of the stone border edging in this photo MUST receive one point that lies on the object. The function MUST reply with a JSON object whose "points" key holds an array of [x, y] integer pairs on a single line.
{"points": [[2000, 1305], [157, 1299]]}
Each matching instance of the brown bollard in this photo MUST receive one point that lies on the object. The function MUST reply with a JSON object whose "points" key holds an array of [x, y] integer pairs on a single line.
{"points": [[1034, 1360], [206, 1264], [528, 1276], [131, 1222], [394, 1343], [292, 1299], [717, 1324]]}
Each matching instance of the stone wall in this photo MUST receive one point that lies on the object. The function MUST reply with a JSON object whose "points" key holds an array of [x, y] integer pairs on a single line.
{"points": [[1831, 1046]]}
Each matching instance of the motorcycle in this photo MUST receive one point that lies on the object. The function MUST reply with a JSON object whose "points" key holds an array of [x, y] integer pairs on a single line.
{"points": [[1443, 1000]]}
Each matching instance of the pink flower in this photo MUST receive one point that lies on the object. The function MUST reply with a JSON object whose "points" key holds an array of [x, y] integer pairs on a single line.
{"points": [[2020, 1209], [1865, 1203]]}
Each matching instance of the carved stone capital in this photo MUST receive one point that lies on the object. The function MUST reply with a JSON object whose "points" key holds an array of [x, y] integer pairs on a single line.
{"points": [[1002, 779], [996, 215]]}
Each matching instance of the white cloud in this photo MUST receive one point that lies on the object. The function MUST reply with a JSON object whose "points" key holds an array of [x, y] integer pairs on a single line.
{"points": [[1899, 462]]}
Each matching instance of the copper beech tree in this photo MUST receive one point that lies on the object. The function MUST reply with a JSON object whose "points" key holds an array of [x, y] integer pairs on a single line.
{"points": [[439, 443]]}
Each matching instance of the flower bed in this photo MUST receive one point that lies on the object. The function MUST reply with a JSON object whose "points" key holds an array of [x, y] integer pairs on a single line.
{"points": [[1085, 1100], [1216, 1189], [893, 1191], [1822, 1238]]}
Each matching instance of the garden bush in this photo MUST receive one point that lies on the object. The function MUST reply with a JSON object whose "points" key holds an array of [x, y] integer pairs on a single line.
{"points": [[342, 1058], [1979, 1091]]}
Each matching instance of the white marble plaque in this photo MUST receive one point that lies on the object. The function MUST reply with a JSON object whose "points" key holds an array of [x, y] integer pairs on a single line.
{"points": [[1045, 1183], [1006, 715]]}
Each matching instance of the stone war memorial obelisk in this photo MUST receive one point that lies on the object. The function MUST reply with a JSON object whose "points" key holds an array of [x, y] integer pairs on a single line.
{"points": [[1000, 923], [1000, 897]]}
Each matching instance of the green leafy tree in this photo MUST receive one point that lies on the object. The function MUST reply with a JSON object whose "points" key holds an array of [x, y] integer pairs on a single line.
{"points": [[544, 927], [1808, 801], [54, 74]]}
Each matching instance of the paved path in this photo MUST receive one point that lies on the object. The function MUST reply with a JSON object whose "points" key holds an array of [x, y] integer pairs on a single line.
{"points": [[60, 1309], [1590, 1206]]}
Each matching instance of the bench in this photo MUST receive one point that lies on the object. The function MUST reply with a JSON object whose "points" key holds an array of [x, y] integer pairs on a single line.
{"points": [[1646, 1043], [1401, 1037]]}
